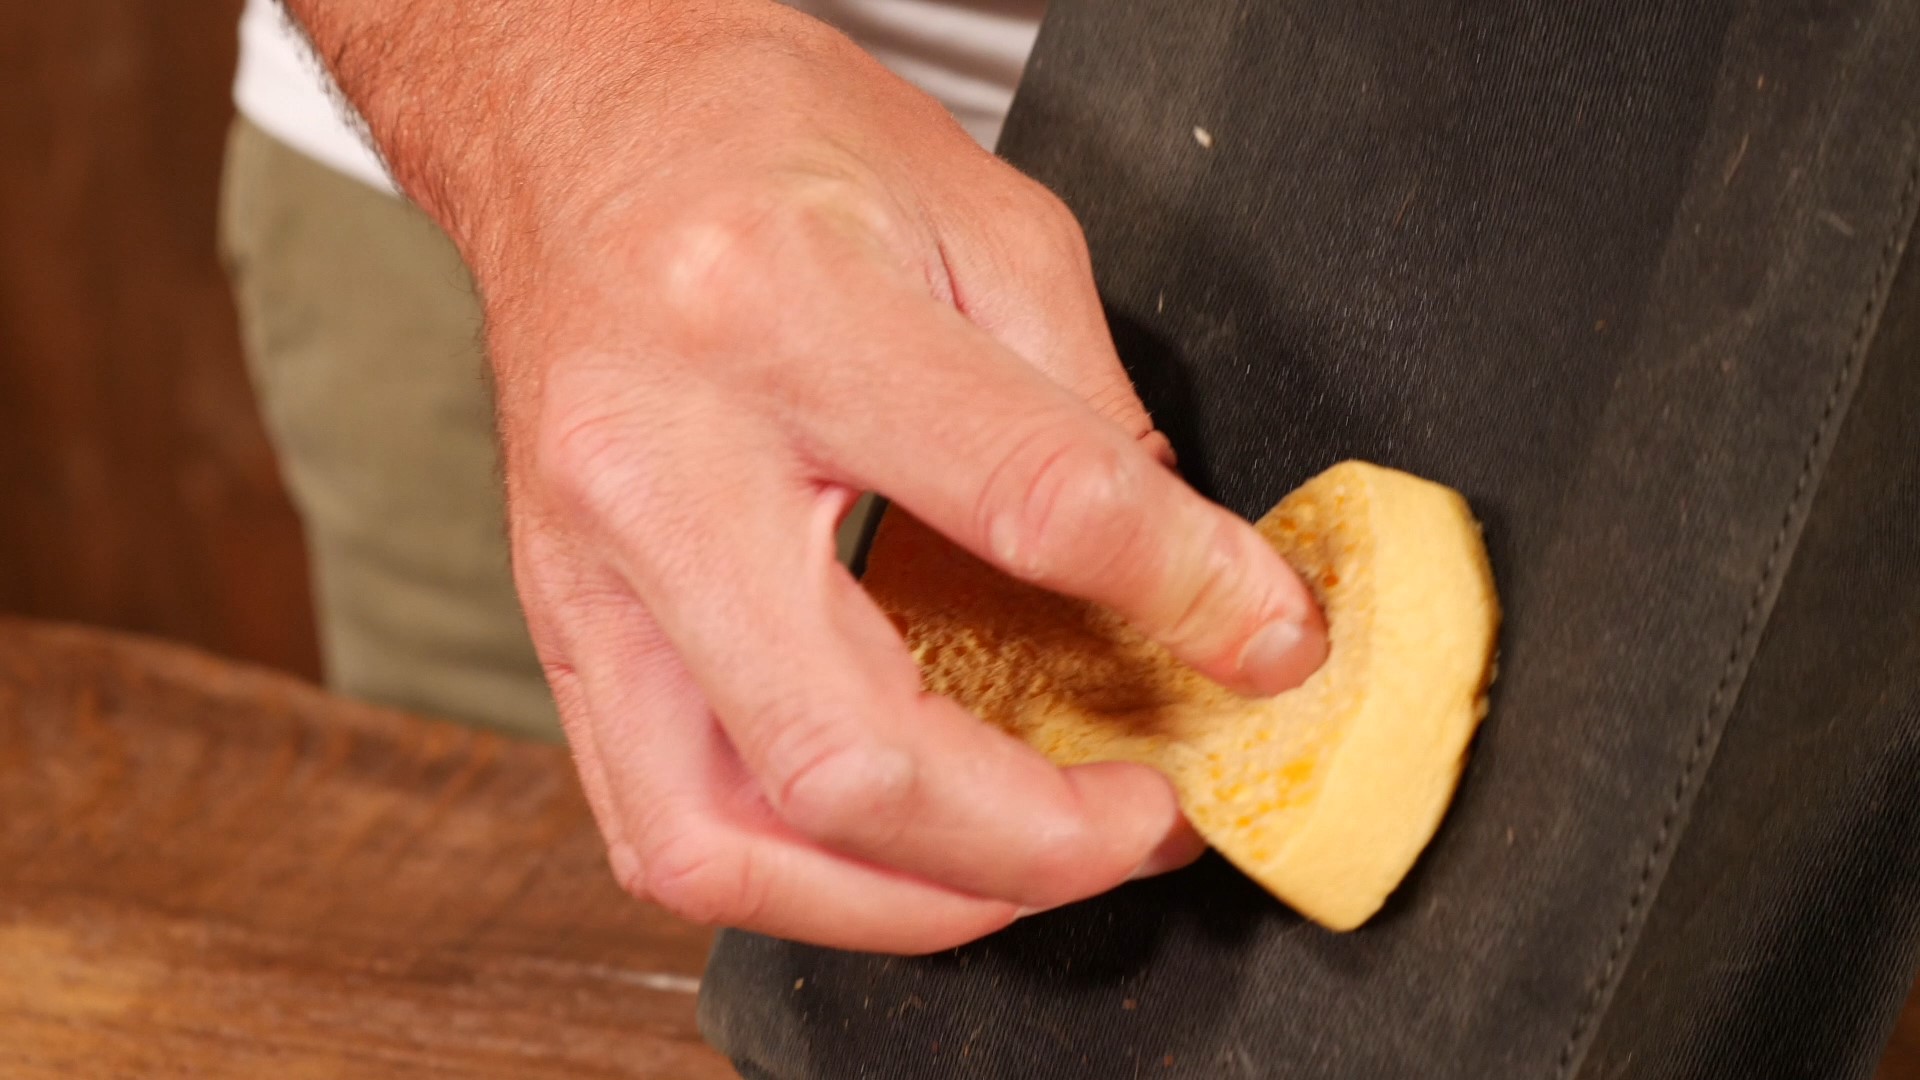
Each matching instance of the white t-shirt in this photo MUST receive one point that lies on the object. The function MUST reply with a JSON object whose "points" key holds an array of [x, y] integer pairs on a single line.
{"points": [[969, 54]]}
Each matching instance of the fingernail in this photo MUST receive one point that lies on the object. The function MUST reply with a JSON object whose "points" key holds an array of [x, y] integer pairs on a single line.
{"points": [[1179, 849], [1269, 663], [1167, 859]]}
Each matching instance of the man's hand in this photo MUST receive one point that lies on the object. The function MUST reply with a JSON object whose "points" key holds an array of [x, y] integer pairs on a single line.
{"points": [[735, 272]]}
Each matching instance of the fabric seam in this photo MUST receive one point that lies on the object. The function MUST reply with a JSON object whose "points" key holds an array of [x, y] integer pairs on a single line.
{"points": [[1725, 693]]}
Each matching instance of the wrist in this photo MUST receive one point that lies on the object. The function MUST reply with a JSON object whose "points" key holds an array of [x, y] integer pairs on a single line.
{"points": [[496, 117]]}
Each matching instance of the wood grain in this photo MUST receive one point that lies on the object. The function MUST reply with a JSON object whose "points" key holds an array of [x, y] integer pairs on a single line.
{"points": [[213, 871]]}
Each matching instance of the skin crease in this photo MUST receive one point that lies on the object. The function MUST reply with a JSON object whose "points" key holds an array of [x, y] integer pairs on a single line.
{"points": [[734, 272]]}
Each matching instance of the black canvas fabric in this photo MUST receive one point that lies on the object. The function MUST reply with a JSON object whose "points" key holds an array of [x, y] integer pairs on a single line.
{"points": [[1635, 278]]}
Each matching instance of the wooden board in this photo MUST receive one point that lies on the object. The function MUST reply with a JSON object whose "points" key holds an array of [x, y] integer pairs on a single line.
{"points": [[212, 871]]}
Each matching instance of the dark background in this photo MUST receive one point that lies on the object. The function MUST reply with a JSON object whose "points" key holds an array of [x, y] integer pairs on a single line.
{"points": [[137, 489]]}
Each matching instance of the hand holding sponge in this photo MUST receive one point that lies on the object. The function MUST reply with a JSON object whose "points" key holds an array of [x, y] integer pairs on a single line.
{"points": [[1325, 794]]}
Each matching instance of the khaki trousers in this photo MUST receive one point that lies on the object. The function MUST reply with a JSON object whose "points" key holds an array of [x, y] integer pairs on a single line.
{"points": [[362, 335]]}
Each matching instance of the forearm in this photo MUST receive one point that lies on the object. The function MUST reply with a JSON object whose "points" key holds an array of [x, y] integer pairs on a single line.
{"points": [[487, 111]]}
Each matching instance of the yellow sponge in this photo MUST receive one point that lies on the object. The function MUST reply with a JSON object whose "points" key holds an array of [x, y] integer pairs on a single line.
{"points": [[1325, 794]]}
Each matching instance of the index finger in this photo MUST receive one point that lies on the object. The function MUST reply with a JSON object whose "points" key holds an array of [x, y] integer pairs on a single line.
{"points": [[1015, 469]]}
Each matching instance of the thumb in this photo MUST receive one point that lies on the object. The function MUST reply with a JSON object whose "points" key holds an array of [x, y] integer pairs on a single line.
{"points": [[1014, 468]]}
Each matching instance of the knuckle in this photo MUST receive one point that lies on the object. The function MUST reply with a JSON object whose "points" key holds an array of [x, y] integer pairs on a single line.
{"points": [[822, 208], [1064, 503], [584, 457], [699, 880], [730, 258], [707, 263], [630, 875], [836, 788], [1056, 231], [1210, 602], [1198, 603]]}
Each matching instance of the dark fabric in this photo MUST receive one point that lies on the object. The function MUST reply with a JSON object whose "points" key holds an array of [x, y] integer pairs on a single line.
{"points": [[1634, 277]]}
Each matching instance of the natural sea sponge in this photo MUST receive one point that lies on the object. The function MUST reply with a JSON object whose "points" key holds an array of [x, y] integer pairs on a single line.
{"points": [[1325, 794]]}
